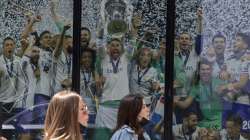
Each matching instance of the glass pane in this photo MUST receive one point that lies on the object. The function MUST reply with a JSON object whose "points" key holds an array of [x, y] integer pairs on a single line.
{"points": [[30, 72], [125, 38], [212, 70], [123, 53]]}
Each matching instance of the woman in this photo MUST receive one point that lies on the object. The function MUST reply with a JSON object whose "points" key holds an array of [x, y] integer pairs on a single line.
{"points": [[128, 126], [65, 111]]}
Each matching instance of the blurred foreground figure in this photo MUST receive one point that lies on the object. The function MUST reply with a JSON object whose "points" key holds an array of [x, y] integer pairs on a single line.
{"points": [[65, 111]]}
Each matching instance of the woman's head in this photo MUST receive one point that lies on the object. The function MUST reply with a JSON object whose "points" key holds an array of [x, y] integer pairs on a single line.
{"points": [[65, 111], [132, 111]]}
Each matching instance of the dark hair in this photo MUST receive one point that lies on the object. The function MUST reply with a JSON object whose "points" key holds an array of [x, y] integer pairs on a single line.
{"points": [[41, 35], [219, 35], [35, 34], [234, 118], [114, 39], [196, 77], [188, 113], [129, 109], [93, 55], [245, 38], [8, 38], [86, 29], [118, 40], [205, 62], [185, 33]]}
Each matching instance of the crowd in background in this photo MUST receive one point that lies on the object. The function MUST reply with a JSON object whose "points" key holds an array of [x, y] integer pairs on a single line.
{"points": [[206, 79], [110, 68], [126, 63]]}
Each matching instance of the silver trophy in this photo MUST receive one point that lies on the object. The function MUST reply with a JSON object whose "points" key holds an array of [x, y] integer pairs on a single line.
{"points": [[116, 16]]}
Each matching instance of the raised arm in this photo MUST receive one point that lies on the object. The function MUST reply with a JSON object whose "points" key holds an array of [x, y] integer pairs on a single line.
{"points": [[198, 39], [59, 43], [29, 26], [199, 20], [28, 29], [58, 21]]}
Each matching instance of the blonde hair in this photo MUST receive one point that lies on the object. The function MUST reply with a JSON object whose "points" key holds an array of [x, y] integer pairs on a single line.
{"points": [[61, 120], [140, 52]]}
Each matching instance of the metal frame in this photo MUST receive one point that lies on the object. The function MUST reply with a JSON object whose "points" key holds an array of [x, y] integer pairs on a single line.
{"points": [[77, 13], [169, 69]]}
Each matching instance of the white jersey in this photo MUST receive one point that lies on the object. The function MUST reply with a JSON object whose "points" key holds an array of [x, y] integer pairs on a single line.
{"points": [[41, 85], [224, 135], [178, 133], [33, 84], [63, 69], [46, 71], [245, 68], [86, 81], [216, 70], [87, 91], [116, 85], [141, 82], [233, 67], [12, 84], [236, 67], [190, 67]]}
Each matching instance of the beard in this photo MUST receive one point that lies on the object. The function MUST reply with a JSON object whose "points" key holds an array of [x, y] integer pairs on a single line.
{"points": [[34, 59], [9, 54], [191, 129], [70, 50], [84, 44]]}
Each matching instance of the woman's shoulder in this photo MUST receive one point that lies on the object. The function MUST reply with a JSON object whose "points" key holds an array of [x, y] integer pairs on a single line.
{"points": [[125, 132]]}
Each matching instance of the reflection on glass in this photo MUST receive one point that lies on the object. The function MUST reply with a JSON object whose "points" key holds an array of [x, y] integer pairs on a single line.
{"points": [[212, 71], [122, 52], [126, 62]]}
